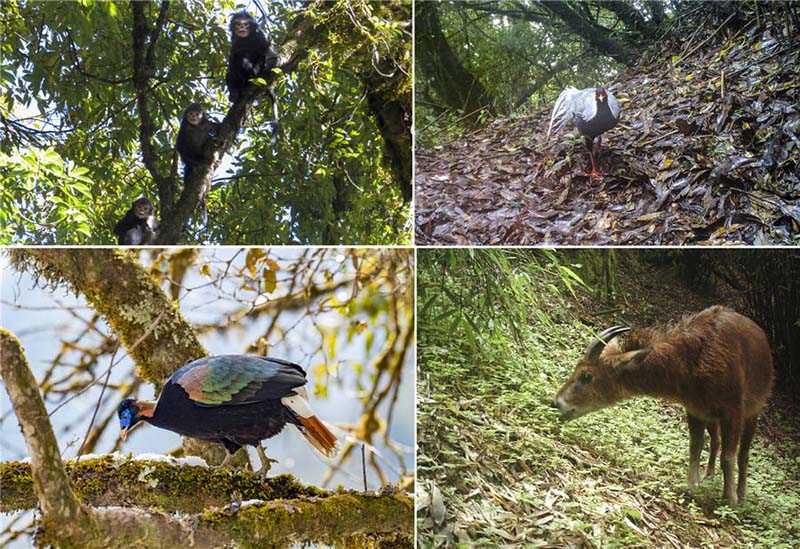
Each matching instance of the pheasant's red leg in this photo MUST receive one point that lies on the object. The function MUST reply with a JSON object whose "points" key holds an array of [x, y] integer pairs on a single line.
{"points": [[594, 172]]}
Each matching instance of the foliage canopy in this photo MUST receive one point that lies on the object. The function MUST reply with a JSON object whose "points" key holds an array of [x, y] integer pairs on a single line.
{"points": [[94, 93]]}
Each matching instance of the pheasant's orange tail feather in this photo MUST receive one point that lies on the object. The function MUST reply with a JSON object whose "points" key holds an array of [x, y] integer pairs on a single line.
{"points": [[318, 435]]}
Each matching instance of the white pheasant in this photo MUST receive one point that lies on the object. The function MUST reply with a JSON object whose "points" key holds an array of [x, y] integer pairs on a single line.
{"points": [[594, 110]]}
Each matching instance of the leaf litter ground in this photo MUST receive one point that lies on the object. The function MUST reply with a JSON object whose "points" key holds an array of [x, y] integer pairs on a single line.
{"points": [[707, 152]]}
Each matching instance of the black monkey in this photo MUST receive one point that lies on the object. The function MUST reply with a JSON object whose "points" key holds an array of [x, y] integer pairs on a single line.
{"points": [[252, 56], [193, 134], [139, 225]]}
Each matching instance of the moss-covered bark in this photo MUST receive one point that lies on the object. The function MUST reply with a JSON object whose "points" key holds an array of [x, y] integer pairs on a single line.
{"points": [[331, 520], [290, 511], [112, 480]]}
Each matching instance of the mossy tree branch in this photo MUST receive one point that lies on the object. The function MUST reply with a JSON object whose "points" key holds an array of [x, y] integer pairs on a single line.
{"points": [[290, 511], [112, 479], [117, 286], [343, 519], [50, 481]]}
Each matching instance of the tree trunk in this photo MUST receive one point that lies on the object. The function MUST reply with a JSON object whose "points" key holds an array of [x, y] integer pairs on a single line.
{"points": [[148, 323], [390, 99], [394, 120], [591, 31], [452, 81]]}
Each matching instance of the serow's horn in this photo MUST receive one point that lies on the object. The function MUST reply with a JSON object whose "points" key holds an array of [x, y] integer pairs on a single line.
{"points": [[597, 346]]}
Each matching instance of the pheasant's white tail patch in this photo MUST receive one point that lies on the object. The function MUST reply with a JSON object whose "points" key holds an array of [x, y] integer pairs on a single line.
{"points": [[562, 111]]}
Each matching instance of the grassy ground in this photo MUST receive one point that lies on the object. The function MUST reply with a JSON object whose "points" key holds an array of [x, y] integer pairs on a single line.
{"points": [[497, 468]]}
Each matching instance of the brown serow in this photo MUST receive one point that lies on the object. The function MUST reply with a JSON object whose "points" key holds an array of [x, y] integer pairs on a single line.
{"points": [[717, 363]]}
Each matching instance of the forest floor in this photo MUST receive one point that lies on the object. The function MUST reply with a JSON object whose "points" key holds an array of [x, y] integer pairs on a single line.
{"points": [[706, 152], [496, 467]]}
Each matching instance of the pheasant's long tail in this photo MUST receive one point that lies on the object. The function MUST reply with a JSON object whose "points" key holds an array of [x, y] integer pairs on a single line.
{"points": [[562, 111]]}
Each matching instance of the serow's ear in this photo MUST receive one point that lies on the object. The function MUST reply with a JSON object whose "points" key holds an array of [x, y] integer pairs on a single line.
{"points": [[632, 359]]}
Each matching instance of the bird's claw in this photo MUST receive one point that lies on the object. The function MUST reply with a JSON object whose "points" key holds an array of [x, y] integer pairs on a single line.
{"points": [[266, 462], [595, 173], [265, 469]]}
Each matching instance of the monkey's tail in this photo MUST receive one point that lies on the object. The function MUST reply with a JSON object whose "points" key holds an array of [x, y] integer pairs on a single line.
{"points": [[274, 122], [274, 139], [203, 211]]}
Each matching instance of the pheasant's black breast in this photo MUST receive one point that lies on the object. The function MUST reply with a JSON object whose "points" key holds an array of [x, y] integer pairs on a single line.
{"points": [[241, 424], [602, 121]]}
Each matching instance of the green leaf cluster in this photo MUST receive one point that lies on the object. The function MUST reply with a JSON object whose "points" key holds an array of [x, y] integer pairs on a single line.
{"points": [[68, 88]]}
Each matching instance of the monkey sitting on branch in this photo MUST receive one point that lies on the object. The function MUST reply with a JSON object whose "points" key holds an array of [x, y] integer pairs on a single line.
{"points": [[138, 226], [195, 131], [252, 56]]}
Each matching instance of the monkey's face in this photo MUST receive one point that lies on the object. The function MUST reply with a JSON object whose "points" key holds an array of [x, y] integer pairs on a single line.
{"points": [[241, 28], [142, 208], [194, 117]]}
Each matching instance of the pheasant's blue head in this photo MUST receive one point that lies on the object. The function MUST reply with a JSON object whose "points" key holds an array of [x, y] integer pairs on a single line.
{"points": [[128, 413]]}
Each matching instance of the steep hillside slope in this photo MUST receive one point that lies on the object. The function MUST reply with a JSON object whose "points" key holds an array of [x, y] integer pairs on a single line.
{"points": [[707, 152]]}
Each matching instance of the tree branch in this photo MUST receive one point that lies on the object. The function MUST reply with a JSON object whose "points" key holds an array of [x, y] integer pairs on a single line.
{"points": [[117, 287], [142, 61], [50, 481], [114, 479], [595, 34], [287, 510], [545, 78], [630, 16]]}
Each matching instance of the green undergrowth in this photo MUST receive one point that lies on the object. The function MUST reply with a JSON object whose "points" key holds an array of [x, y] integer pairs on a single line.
{"points": [[497, 467]]}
